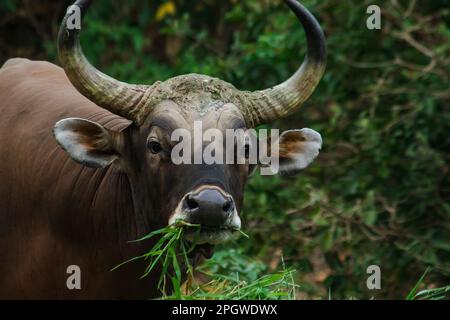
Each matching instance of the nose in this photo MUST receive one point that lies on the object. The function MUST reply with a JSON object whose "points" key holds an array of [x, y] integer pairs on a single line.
{"points": [[208, 207]]}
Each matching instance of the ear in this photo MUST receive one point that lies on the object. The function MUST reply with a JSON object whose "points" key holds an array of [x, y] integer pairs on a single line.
{"points": [[87, 142], [297, 149]]}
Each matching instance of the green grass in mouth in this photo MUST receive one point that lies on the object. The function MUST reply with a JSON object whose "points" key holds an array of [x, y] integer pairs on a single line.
{"points": [[172, 251]]}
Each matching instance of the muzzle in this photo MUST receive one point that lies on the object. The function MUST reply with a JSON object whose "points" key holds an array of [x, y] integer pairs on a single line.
{"points": [[213, 210]]}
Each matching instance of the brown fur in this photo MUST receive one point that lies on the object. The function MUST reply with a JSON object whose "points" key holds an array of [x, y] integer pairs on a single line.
{"points": [[55, 212]]}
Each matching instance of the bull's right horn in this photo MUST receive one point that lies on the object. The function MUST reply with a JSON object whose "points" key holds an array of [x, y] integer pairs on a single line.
{"points": [[118, 97]]}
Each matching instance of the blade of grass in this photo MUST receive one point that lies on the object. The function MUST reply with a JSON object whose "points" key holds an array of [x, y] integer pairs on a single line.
{"points": [[412, 294]]}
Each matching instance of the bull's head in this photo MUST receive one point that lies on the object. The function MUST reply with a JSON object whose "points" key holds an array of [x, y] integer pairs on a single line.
{"points": [[209, 195]]}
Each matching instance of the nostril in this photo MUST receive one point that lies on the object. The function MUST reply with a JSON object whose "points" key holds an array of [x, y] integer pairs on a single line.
{"points": [[192, 204], [228, 206]]}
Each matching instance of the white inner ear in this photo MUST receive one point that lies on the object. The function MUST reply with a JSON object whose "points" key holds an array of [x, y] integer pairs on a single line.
{"points": [[70, 134], [70, 142], [300, 153]]}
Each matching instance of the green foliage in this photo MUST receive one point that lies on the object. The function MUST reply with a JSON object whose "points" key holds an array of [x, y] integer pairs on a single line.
{"points": [[233, 276], [230, 275], [379, 191], [429, 294], [169, 252]]}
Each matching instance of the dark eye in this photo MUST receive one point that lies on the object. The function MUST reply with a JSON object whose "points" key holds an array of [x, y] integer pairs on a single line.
{"points": [[154, 147]]}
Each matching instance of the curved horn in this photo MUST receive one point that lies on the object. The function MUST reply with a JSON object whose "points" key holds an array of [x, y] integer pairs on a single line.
{"points": [[270, 104], [118, 97]]}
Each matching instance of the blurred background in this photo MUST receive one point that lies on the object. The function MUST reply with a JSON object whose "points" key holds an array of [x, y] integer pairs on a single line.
{"points": [[379, 191]]}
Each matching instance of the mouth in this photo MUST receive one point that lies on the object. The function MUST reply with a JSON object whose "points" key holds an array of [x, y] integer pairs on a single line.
{"points": [[201, 252], [209, 235], [205, 238]]}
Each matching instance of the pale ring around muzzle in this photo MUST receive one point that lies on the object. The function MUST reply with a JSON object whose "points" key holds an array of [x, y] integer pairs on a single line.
{"points": [[211, 211]]}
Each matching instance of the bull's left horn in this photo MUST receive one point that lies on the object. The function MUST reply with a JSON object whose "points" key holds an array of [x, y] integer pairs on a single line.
{"points": [[267, 105], [118, 97]]}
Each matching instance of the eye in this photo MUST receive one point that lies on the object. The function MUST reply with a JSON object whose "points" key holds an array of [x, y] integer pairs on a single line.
{"points": [[154, 147]]}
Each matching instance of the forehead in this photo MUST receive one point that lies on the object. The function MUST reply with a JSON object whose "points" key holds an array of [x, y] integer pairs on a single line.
{"points": [[169, 115]]}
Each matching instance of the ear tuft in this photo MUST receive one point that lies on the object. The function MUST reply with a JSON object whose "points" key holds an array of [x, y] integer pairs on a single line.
{"points": [[87, 142]]}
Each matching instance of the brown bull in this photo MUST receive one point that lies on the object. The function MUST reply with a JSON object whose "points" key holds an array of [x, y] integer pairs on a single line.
{"points": [[56, 212]]}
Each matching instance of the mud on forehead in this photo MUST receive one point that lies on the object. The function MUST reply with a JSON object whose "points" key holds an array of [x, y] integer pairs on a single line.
{"points": [[170, 116]]}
